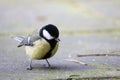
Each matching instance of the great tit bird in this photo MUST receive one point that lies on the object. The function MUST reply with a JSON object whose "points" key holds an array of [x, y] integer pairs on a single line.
{"points": [[42, 45]]}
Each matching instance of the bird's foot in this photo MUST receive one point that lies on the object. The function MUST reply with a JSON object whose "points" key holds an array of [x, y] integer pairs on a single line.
{"points": [[29, 68], [49, 66]]}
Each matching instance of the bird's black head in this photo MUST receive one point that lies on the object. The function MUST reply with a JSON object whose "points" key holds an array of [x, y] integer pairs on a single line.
{"points": [[49, 32]]}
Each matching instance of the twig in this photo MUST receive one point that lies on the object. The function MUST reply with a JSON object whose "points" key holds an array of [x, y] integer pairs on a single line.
{"points": [[85, 55], [76, 61], [93, 78]]}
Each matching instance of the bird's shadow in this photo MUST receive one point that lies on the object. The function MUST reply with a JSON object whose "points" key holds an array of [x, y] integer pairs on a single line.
{"points": [[60, 67], [46, 67]]}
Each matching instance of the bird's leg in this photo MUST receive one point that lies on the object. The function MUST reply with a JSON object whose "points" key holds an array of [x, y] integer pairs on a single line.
{"points": [[48, 63], [30, 65]]}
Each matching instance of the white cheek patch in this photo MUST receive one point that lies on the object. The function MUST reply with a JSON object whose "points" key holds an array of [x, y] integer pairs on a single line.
{"points": [[47, 35]]}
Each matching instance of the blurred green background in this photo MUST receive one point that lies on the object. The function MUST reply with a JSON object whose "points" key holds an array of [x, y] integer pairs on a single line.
{"points": [[71, 16]]}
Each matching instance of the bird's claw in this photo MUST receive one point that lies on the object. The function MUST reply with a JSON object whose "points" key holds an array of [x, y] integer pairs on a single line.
{"points": [[29, 68]]}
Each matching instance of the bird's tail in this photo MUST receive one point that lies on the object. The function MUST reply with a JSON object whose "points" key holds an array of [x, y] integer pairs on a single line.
{"points": [[19, 39]]}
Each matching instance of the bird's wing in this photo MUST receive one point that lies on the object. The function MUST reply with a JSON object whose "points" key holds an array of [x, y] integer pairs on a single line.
{"points": [[34, 37], [26, 41], [18, 38]]}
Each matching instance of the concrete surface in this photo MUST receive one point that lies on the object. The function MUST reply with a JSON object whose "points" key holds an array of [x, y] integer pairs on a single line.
{"points": [[13, 61], [86, 27]]}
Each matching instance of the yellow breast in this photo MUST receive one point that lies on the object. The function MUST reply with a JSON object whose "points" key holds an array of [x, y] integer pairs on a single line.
{"points": [[54, 50], [40, 48]]}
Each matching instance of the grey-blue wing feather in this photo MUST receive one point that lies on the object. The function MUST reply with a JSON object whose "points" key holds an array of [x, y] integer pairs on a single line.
{"points": [[29, 40], [18, 38]]}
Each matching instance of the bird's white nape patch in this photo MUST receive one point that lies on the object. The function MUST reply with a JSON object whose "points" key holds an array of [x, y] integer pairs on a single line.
{"points": [[47, 35]]}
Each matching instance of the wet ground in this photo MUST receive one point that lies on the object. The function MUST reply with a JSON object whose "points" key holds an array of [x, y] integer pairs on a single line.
{"points": [[13, 61]]}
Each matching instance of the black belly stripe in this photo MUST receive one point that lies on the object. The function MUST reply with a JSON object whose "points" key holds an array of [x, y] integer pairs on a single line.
{"points": [[48, 55], [52, 44]]}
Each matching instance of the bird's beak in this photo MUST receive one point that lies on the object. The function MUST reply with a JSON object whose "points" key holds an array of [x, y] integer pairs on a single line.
{"points": [[57, 39]]}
